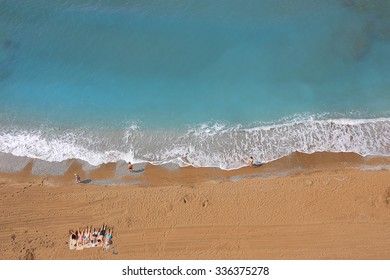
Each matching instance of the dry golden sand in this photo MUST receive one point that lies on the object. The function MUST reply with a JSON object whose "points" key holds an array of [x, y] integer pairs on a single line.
{"points": [[324, 209]]}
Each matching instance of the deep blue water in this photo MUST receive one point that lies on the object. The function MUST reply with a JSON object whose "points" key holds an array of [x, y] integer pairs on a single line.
{"points": [[204, 82]]}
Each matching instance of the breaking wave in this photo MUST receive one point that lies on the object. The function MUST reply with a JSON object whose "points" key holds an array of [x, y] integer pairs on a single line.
{"points": [[206, 145]]}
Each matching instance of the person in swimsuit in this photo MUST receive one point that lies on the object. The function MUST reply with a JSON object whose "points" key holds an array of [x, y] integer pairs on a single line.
{"points": [[108, 236], [86, 237], [73, 239], [73, 234], [78, 180], [108, 239], [81, 237], [130, 166], [94, 237], [253, 162], [102, 230], [102, 233]]}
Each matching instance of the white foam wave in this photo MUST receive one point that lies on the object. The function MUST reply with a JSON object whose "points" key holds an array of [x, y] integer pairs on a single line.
{"points": [[206, 145]]}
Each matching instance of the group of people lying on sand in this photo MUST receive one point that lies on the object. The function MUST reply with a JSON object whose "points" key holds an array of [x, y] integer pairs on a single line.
{"points": [[88, 238]]}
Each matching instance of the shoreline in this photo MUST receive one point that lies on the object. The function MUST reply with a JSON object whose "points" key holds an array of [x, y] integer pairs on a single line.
{"points": [[324, 208], [116, 173], [222, 145]]}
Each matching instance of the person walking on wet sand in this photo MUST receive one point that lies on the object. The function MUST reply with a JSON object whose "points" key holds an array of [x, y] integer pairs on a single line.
{"points": [[78, 180], [130, 166]]}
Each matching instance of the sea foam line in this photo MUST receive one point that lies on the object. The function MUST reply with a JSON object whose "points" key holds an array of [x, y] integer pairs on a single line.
{"points": [[206, 145]]}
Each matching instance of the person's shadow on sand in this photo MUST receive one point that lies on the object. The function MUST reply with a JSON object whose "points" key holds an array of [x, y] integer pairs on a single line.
{"points": [[87, 181], [138, 170]]}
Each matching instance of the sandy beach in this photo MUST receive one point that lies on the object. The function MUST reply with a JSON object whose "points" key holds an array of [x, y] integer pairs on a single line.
{"points": [[319, 206]]}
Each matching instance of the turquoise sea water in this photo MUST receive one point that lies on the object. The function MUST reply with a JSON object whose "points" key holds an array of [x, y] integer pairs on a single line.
{"points": [[206, 83]]}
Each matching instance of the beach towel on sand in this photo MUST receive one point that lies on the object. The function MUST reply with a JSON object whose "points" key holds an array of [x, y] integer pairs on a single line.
{"points": [[72, 243]]}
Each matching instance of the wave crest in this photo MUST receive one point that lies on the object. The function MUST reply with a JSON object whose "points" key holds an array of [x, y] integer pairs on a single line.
{"points": [[205, 145]]}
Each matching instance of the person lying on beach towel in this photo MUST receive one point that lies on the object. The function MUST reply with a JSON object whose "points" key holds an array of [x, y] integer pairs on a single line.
{"points": [[102, 232], [86, 238], [108, 240], [73, 240], [80, 240], [94, 237]]}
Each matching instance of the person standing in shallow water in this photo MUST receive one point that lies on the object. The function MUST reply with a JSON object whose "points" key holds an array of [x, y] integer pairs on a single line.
{"points": [[130, 166], [251, 161], [78, 180]]}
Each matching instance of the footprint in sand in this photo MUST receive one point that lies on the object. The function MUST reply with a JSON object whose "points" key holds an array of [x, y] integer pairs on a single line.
{"points": [[128, 221], [387, 197], [187, 198], [29, 255]]}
